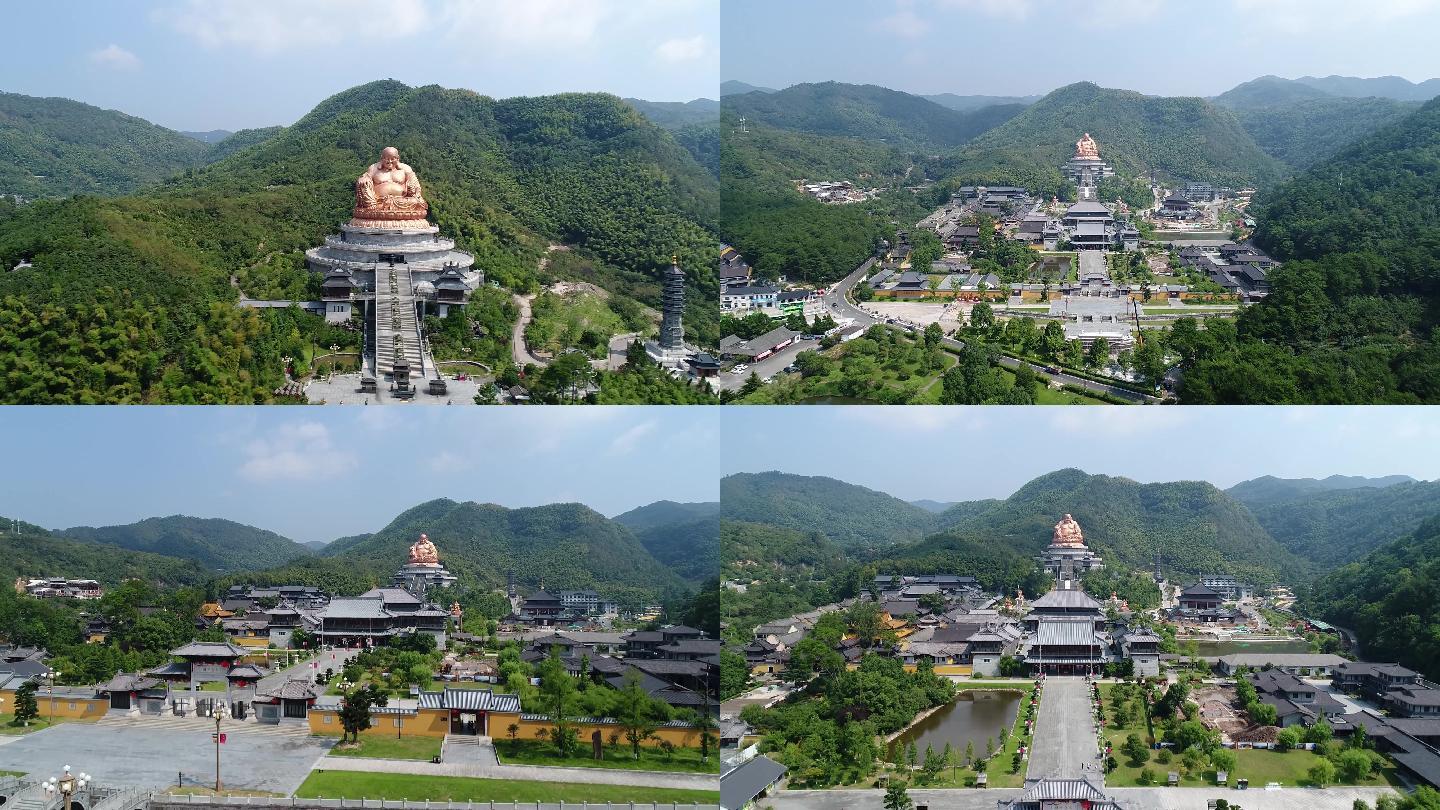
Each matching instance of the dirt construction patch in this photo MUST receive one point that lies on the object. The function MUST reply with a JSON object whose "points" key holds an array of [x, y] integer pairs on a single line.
{"points": [[1217, 711]]}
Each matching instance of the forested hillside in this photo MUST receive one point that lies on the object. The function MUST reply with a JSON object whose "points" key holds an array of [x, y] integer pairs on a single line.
{"points": [[1335, 527], [1194, 527], [1391, 598], [1176, 138], [567, 545], [1268, 489], [34, 554], [682, 536], [851, 516], [221, 545], [969, 103], [1351, 314], [1299, 124], [783, 571], [55, 147], [150, 274], [868, 112]]}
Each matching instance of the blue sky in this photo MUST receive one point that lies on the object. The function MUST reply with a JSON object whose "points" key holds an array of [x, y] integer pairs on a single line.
{"points": [[326, 472], [232, 64], [1025, 47], [969, 453]]}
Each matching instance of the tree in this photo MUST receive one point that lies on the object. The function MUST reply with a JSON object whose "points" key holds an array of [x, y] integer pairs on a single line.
{"points": [[1322, 773], [1052, 340], [513, 730], [982, 316], [557, 695], [1353, 765], [896, 797], [1287, 739], [27, 708], [1150, 362], [355, 708], [635, 711], [1320, 732], [1098, 354], [1135, 749], [1223, 759], [969, 752], [911, 755], [932, 335]]}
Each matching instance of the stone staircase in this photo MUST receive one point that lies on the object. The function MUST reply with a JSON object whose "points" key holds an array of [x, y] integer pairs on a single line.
{"points": [[396, 328]]}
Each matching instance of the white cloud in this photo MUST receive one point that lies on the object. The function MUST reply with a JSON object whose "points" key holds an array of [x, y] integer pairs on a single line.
{"points": [[115, 57], [905, 23], [1119, 422], [626, 441], [448, 462], [298, 451], [546, 23], [921, 418], [273, 26], [682, 49], [1007, 9], [1302, 16]]}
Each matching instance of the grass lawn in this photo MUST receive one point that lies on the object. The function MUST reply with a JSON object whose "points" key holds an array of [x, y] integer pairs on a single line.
{"points": [[560, 322], [1259, 765], [213, 686], [533, 752], [356, 785], [12, 773], [376, 747], [7, 724]]}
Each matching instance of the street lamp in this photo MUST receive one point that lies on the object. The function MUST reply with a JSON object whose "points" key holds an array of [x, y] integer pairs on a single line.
{"points": [[66, 785], [221, 712]]}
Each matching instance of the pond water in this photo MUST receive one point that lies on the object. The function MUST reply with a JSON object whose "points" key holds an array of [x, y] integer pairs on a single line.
{"points": [[973, 717], [1214, 649]]}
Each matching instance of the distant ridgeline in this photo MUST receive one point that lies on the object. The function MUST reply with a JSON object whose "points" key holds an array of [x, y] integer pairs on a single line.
{"points": [[148, 278]]}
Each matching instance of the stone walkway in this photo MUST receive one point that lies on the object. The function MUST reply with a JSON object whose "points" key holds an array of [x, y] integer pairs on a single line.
{"points": [[528, 773], [1065, 746]]}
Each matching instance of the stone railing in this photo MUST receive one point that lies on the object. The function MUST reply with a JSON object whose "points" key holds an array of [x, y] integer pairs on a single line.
{"points": [[165, 801]]}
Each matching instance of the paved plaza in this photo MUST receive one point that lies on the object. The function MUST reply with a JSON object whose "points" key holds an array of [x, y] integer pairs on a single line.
{"points": [[478, 761], [344, 389], [1065, 746], [152, 752]]}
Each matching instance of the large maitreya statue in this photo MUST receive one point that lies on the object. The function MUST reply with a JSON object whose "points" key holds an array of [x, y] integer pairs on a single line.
{"points": [[389, 192], [424, 552], [1067, 533], [1086, 147]]}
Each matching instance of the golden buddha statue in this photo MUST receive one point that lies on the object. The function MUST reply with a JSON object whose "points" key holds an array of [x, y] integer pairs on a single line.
{"points": [[388, 194], [1067, 533], [1086, 147], [424, 552]]}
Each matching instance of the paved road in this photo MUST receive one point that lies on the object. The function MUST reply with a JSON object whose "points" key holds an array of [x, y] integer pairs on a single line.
{"points": [[1065, 746], [770, 366], [329, 659], [477, 767], [519, 349], [1334, 798]]}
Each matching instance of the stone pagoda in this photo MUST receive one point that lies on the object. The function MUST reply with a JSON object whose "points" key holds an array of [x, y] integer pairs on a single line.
{"points": [[1067, 557], [1086, 168], [391, 262], [669, 348], [423, 571]]}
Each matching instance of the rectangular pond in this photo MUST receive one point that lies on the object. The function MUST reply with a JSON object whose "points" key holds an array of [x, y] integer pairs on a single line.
{"points": [[973, 717]]}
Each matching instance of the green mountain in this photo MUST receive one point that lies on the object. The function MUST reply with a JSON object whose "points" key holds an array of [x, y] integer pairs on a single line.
{"points": [[868, 112], [852, 516], [932, 506], [55, 147], [970, 103], [565, 545], [217, 544], [1194, 527], [314, 545], [1268, 489], [212, 136], [243, 139], [143, 283], [1390, 598], [684, 537], [731, 87], [1332, 527], [34, 554], [666, 513], [676, 114], [1384, 86], [1268, 91], [1180, 138]]}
